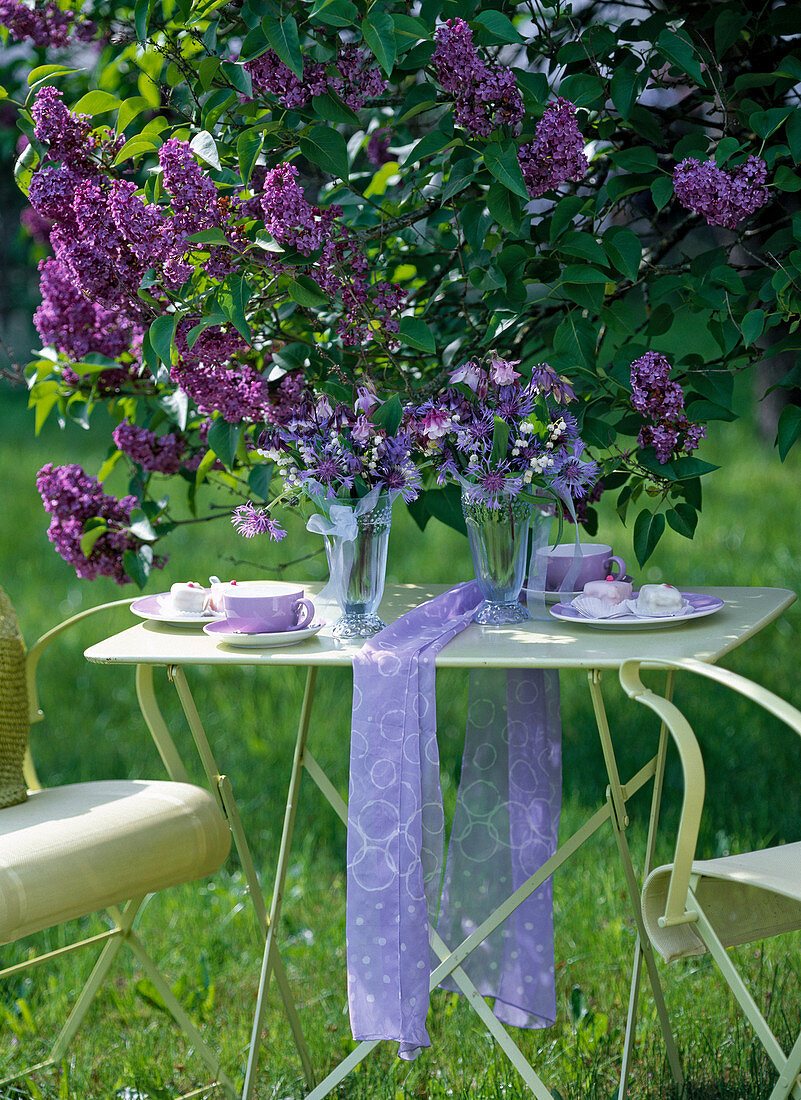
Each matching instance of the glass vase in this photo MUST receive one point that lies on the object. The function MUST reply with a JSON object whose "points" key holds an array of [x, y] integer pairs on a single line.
{"points": [[498, 544], [358, 570]]}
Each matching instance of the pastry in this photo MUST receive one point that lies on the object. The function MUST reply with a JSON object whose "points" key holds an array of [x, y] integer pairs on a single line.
{"points": [[217, 594], [188, 597], [612, 591], [659, 599]]}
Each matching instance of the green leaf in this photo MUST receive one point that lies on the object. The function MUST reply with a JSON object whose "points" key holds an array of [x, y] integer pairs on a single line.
{"points": [[638, 159], [223, 438], [500, 440], [24, 167], [501, 159], [333, 109], [786, 180], [91, 535], [789, 429], [304, 291], [233, 296], [141, 528], [378, 30], [584, 89], [259, 480], [207, 70], [648, 530], [389, 415], [248, 147], [566, 210], [504, 207], [326, 148], [678, 50], [204, 146], [661, 191], [138, 564], [765, 123], [409, 30], [214, 235], [433, 142], [623, 249], [793, 134], [162, 332], [129, 110], [583, 245], [625, 86], [416, 334], [283, 37], [460, 176], [446, 506], [683, 519], [143, 9], [336, 13], [96, 103], [686, 468], [753, 324], [498, 27], [583, 274], [43, 72], [136, 146]]}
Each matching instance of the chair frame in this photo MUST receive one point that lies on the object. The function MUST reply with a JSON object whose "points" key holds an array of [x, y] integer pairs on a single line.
{"points": [[123, 918], [682, 904]]}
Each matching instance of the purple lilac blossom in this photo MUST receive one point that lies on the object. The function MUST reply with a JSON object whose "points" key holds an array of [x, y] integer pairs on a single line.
{"points": [[250, 521], [208, 374], [45, 24], [357, 78], [557, 152], [270, 75], [288, 216], [54, 125], [485, 96], [155, 453], [378, 147], [73, 324], [35, 225], [72, 497], [283, 399], [721, 196], [654, 395], [52, 191]]}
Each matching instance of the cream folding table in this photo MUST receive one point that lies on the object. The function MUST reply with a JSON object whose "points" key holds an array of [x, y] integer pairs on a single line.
{"points": [[537, 644]]}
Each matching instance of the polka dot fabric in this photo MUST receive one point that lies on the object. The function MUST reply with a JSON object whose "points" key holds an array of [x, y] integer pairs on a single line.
{"points": [[508, 811]]}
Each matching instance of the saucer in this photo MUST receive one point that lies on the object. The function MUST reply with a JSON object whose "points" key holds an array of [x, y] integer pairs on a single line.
{"points": [[241, 632], [157, 609]]}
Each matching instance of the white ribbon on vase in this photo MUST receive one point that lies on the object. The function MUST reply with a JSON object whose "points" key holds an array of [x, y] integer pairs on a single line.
{"points": [[338, 524]]}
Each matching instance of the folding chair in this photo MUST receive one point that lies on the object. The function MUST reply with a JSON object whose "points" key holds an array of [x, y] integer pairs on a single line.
{"points": [[691, 907], [69, 851]]}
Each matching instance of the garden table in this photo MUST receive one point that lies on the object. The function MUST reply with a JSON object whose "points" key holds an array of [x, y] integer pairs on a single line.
{"points": [[536, 644]]}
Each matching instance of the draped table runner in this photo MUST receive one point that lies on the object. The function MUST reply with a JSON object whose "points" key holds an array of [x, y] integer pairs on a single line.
{"points": [[505, 827]]}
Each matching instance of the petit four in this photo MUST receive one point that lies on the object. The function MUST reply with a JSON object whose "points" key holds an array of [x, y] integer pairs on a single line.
{"points": [[611, 590], [659, 599], [217, 593], [188, 597]]}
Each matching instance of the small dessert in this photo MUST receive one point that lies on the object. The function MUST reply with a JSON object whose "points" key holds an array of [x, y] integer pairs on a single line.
{"points": [[659, 599], [611, 590], [217, 594], [603, 599], [188, 598]]}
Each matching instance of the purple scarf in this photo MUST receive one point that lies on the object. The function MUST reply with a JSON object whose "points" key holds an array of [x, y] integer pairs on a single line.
{"points": [[505, 827]]}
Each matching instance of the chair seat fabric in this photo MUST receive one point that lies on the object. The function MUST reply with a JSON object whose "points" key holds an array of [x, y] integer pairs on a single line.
{"points": [[69, 851], [745, 897]]}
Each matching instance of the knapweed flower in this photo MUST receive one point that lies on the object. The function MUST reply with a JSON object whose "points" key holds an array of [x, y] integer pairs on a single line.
{"points": [[250, 521], [557, 152], [721, 196]]}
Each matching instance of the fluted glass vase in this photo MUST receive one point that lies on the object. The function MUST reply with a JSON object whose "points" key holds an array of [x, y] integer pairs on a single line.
{"points": [[358, 569], [498, 544]]}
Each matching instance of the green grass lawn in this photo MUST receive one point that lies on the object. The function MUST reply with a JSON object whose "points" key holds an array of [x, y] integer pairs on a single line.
{"points": [[205, 937]]}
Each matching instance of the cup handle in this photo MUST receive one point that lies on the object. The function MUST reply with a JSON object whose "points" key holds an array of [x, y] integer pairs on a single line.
{"points": [[305, 609], [621, 566]]}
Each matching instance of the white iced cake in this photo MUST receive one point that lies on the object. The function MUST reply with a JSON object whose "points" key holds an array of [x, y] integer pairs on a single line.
{"points": [[659, 599], [188, 597]]}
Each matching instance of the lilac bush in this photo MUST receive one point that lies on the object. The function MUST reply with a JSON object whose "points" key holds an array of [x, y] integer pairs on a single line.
{"points": [[253, 214]]}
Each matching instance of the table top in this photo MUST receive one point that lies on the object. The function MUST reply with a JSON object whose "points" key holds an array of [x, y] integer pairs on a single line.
{"points": [[537, 644]]}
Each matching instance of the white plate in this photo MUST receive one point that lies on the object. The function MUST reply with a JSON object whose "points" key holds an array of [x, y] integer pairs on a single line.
{"points": [[701, 605], [221, 632], [157, 609]]}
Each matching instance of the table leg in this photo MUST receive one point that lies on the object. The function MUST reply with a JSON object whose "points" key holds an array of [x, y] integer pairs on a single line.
{"points": [[616, 797], [222, 789], [270, 957]]}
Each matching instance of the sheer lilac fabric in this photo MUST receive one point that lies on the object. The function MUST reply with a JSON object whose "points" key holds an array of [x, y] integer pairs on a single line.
{"points": [[507, 816]]}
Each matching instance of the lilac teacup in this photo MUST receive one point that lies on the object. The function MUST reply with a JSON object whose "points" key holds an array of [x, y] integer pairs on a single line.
{"points": [[268, 608], [561, 563]]}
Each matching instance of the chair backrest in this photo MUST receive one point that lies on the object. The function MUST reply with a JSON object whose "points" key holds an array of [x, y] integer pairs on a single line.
{"points": [[14, 707]]}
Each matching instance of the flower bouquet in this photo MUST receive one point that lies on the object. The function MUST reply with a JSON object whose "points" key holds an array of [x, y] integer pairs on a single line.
{"points": [[511, 444], [352, 462]]}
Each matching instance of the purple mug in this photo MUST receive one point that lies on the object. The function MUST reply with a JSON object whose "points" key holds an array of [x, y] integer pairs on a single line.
{"points": [[268, 608], [562, 563]]}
